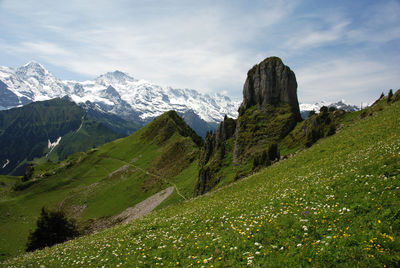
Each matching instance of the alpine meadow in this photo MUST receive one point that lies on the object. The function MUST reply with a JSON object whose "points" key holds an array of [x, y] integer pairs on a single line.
{"points": [[330, 198], [199, 133]]}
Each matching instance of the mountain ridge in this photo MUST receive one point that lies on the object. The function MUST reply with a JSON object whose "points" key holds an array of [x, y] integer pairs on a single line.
{"points": [[118, 93], [29, 132], [334, 204], [100, 183], [115, 92]]}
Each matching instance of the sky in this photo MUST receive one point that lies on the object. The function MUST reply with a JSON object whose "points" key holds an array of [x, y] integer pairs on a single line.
{"points": [[338, 49]]}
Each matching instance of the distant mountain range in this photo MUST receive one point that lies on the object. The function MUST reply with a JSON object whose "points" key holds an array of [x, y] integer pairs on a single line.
{"points": [[121, 94], [305, 108], [114, 92]]}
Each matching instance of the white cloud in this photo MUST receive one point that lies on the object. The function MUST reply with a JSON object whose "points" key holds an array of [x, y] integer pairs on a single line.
{"points": [[206, 45], [380, 24], [311, 38], [45, 49], [354, 79], [197, 47]]}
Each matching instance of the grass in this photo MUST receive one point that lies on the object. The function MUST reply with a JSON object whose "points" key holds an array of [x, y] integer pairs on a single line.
{"points": [[256, 129], [334, 204], [101, 182]]}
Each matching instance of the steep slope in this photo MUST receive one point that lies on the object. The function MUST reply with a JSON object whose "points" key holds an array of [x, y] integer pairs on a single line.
{"points": [[269, 111], [25, 132], [52, 129], [200, 126], [334, 204], [96, 185]]}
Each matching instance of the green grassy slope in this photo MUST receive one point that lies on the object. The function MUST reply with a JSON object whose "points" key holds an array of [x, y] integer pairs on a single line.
{"points": [[229, 155], [25, 131], [91, 134], [334, 204], [103, 181]]}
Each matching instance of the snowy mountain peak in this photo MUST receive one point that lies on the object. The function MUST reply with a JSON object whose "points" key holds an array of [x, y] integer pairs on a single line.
{"points": [[33, 64], [113, 92], [339, 105], [116, 77], [32, 69]]}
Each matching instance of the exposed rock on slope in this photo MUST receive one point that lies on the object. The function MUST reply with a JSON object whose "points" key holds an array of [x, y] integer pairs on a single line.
{"points": [[269, 111], [270, 82], [212, 154]]}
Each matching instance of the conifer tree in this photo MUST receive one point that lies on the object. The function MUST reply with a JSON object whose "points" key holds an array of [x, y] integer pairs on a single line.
{"points": [[53, 227]]}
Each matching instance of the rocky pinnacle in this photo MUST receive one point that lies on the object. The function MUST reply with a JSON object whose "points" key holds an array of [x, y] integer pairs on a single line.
{"points": [[271, 82]]}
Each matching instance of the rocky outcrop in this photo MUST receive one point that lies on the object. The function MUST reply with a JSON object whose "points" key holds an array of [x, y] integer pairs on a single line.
{"points": [[270, 82], [212, 153], [225, 131], [269, 111]]}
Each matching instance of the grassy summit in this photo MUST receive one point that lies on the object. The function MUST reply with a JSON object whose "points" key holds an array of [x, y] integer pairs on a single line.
{"points": [[334, 204], [95, 185]]}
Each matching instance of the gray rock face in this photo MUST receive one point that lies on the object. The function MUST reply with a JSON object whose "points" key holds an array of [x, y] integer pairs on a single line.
{"points": [[271, 82], [211, 155], [225, 130]]}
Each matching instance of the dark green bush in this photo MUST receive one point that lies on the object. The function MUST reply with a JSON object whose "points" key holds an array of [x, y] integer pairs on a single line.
{"points": [[273, 152], [22, 185], [332, 109], [261, 159], [53, 227], [332, 130], [28, 173], [314, 135], [323, 109], [390, 95]]}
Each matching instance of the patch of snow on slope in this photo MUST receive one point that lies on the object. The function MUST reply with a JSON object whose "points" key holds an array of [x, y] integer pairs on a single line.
{"points": [[52, 145], [6, 163]]}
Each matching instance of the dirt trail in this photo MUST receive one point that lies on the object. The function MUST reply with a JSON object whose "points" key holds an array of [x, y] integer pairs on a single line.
{"points": [[139, 210], [144, 207], [148, 173]]}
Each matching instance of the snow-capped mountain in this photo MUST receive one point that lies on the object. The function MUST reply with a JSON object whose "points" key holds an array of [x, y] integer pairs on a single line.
{"points": [[115, 92], [305, 108], [338, 105], [31, 82]]}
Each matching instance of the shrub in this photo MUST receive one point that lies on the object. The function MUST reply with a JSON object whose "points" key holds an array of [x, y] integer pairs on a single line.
{"points": [[390, 95], [273, 152], [53, 227], [28, 173], [261, 160], [22, 185], [332, 109], [314, 135], [332, 130], [323, 109]]}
